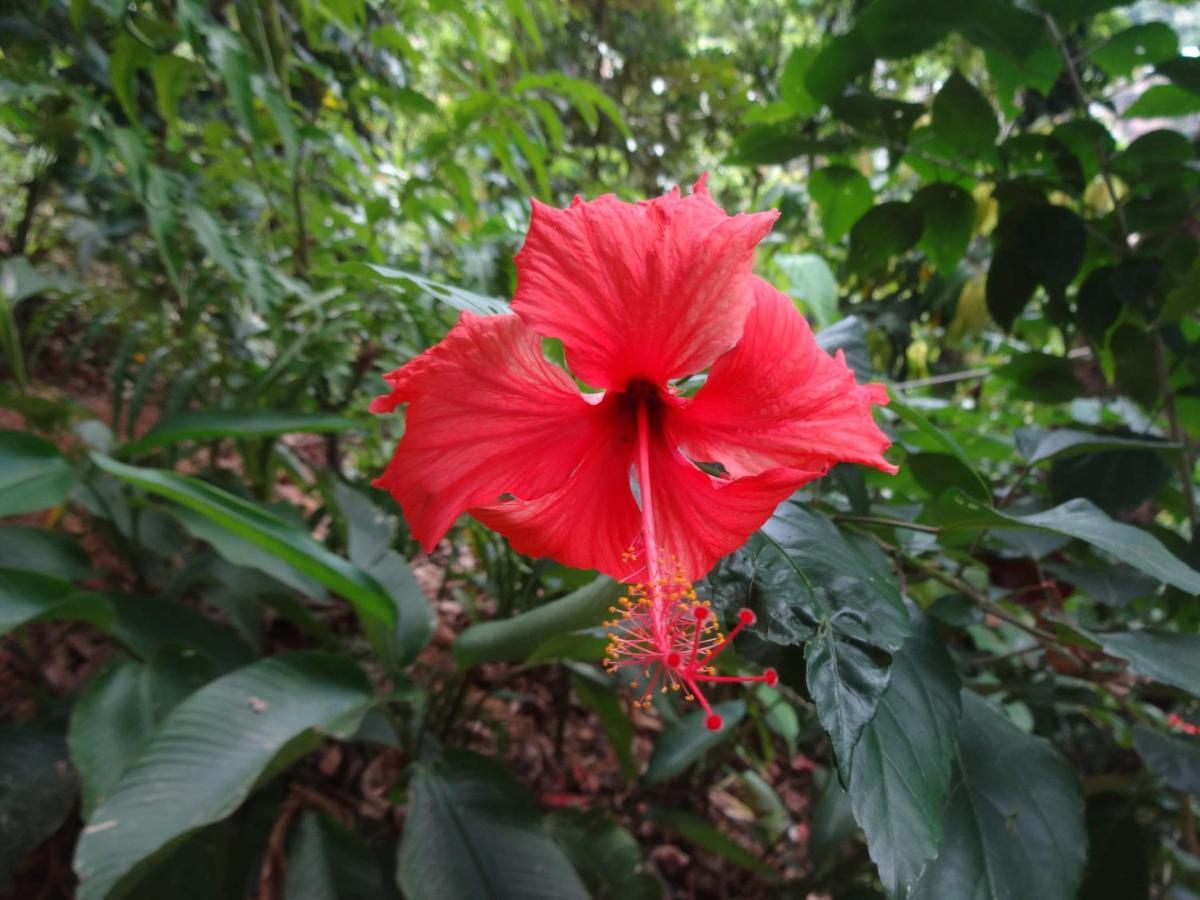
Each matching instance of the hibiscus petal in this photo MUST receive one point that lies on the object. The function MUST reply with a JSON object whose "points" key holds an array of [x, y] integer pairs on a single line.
{"points": [[699, 518], [654, 290], [778, 399], [591, 520], [487, 416]]}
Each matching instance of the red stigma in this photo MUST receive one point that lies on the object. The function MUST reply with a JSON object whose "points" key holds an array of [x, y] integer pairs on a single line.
{"points": [[771, 677], [713, 722], [746, 616]]}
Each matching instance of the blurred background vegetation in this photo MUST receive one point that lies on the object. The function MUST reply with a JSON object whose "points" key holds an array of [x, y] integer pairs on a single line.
{"points": [[226, 671]]}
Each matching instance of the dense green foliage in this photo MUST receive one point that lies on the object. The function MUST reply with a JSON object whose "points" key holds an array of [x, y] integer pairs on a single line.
{"points": [[220, 221]]}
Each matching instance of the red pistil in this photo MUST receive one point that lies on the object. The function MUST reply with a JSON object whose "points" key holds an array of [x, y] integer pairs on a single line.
{"points": [[662, 627]]}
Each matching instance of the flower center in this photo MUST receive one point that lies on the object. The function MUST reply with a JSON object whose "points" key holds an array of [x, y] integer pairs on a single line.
{"points": [[661, 626]]}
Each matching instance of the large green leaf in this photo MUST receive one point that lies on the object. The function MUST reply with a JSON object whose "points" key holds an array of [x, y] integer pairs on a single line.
{"points": [[514, 639], [37, 791], [472, 831], [327, 861], [936, 438], [1080, 519], [370, 535], [33, 474], [948, 212], [244, 521], [604, 853], [207, 756], [1171, 657], [27, 596], [1038, 445], [1014, 826], [1175, 760], [884, 231], [807, 583], [213, 424], [445, 293], [963, 117], [811, 282], [684, 742], [50, 552], [843, 196], [904, 760], [1140, 45]]}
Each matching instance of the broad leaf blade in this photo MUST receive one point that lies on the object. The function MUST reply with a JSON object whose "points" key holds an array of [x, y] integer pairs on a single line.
{"points": [[472, 831], [212, 424], [207, 756], [37, 791], [904, 760], [1014, 827], [33, 474]]}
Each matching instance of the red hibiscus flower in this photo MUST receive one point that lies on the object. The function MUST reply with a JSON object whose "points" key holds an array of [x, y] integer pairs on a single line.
{"points": [[641, 296]]}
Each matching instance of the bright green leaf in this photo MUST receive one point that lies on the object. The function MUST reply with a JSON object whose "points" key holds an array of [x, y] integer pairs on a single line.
{"points": [[33, 474]]}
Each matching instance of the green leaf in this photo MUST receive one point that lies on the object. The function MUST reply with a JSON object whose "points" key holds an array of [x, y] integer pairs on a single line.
{"points": [[1010, 286], [171, 75], [119, 709], [841, 60], [684, 742], [261, 529], [1078, 519], [1038, 445], [1163, 101], [949, 215], [472, 831], [514, 639], [444, 293], [214, 424], [899, 28], [241, 723], [150, 625], [792, 83], [327, 861], [811, 282], [1118, 481], [885, 231], [37, 791], [27, 596], [843, 196], [39, 550], [370, 534], [963, 117], [1183, 71], [604, 853], [1043, 377], [904, 760], [706, 836], [1014, 826], [980, 489], [1139, 45], [128, 55], [33, 474], [1173, 759], [1167, 656]]}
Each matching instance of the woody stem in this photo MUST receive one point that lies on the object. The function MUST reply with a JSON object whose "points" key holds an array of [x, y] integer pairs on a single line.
{"points": [[651, 545]]}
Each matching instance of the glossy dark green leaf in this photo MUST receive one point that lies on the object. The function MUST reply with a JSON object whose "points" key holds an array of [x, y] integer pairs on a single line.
{"points": [[606, 855], [1010, 286], [707, 837], [214, 424], [241, 723], [1171, 657], [963, 117], [1038, 445], [1118, 481], [775, 143], [514, 639], [948, 212], [147, 625], [1183, 71], [249, 523], [899, 28], [1014, 826], [685, 742], [48, 552], [328, 861], [1078, 519], [843, 195], [1043, 377], [1176, 760], [1147, 44], [27, 596], [37, 791], [904, 759], [472, 831], [885, 231], [33, 474], [878, 119]]}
